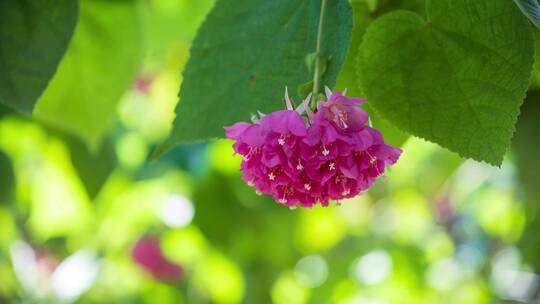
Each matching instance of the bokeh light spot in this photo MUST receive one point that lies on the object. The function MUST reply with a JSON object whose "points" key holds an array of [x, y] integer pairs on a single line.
{"points": [[74, 275], [374, 267], [444, 274], [287, 290], [311, 271], [177, 211]]}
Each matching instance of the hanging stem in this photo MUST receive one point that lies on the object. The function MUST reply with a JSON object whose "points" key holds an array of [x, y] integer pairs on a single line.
{"points": [[317, 70]]}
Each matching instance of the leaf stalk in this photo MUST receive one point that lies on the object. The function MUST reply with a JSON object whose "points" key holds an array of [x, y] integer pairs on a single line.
{"points": [[317, 68]]}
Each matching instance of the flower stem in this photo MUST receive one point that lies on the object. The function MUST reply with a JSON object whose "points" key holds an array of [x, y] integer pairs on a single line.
{"points": [[317, 69]]}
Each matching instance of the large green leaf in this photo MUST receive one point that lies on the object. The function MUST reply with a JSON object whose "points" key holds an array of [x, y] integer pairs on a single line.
{"points": [[34, 34], [457, 79], [348, 78], [245, 54], [100, 65]]}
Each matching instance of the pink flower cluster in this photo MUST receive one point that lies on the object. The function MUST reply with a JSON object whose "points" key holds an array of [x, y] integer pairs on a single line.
{"points": [[329, 155]]}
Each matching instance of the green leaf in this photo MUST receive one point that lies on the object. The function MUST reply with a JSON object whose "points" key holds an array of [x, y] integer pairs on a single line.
{"points": [[4, 110], [7, 178], [245, 54], [168, 23], [348, 78], [100, 65], [386, 6], [457, 79], [372, 4], [305, 89], [536, 74], [526, 147], [93, 167], [33, 37]]}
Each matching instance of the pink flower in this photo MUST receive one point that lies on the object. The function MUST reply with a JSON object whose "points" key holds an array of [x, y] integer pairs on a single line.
{"points": [[328, 155], [148, 255], [343, 112]]}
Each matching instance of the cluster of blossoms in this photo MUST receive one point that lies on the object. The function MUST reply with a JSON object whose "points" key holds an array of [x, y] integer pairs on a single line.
{"points": [[304, 160]]}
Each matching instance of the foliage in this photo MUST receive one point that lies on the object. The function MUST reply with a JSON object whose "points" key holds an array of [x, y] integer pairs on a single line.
{"points": [[99, 66], [457, 79], [526, 147], [232, 72], [348, 78], [8, 179], [33, 38], [442, 81], [77, 189]]}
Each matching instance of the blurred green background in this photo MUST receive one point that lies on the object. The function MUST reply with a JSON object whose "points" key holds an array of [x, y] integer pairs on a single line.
{"points": [[435, 229]]}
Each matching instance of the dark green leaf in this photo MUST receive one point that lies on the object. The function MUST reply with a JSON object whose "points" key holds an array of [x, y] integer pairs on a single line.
{"points": [[245, 54], [7, 179], [100, 65], [4, 110], [526, 144], [457, 79], [34, 34]]}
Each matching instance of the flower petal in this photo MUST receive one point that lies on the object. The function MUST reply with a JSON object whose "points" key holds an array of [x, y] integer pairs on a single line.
{"points": [[236, 130]]}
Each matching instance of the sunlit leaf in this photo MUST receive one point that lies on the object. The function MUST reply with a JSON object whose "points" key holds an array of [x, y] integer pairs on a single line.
{"points": [[287, 289], [33, 37], [93, 167], [162, 19], [56, 202], [99, 66], [220, 279], [536, 75], [457, 79]]}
